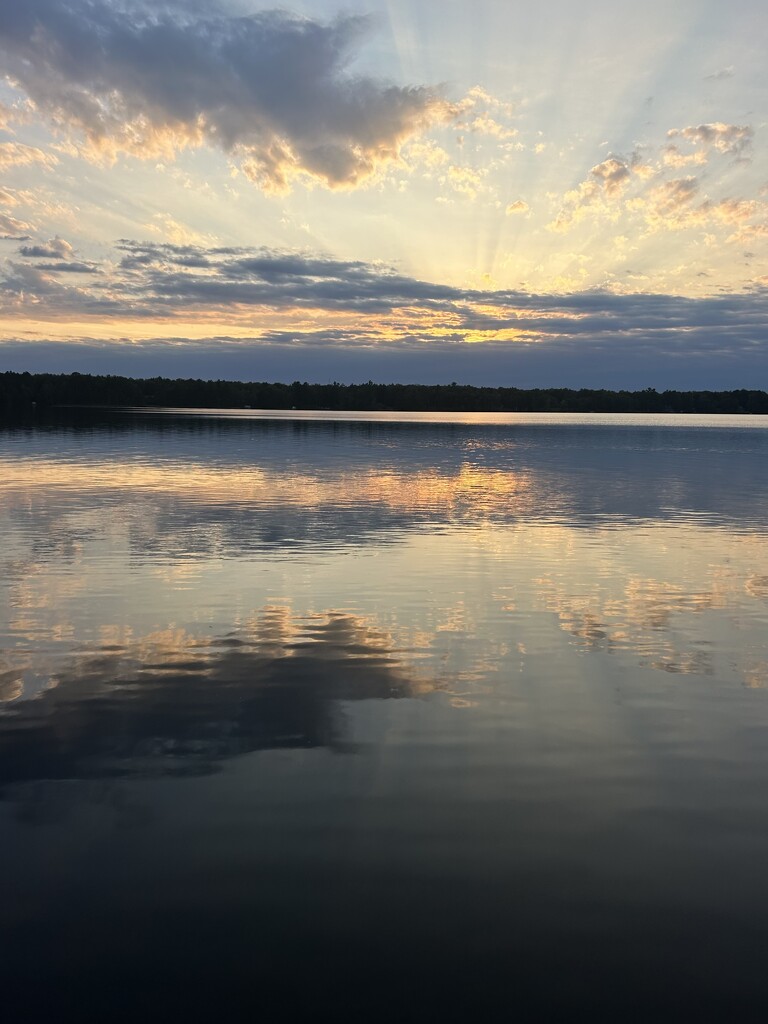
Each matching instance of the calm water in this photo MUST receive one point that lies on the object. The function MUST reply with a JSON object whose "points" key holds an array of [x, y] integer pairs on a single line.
{"points": [[307, 717]]}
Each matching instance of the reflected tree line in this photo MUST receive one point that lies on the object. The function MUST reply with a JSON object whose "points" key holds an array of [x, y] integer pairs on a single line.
{"points": [[19, 392]]}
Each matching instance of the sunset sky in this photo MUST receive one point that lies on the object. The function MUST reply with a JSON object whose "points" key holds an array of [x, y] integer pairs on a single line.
{"points": [[406, 190]]}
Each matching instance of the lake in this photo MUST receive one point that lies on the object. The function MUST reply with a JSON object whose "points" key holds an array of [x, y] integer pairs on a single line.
{"points": [[384, 716]]}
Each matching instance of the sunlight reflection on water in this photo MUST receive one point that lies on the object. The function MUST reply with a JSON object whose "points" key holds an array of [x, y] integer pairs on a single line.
{"points": [[302, 693]]}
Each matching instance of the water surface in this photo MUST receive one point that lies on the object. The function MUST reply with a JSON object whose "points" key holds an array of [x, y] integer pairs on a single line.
{"points": [[385, 717]]}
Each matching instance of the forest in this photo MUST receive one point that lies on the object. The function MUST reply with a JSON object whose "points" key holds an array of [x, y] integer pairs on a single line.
{"points": [[21, 393]]}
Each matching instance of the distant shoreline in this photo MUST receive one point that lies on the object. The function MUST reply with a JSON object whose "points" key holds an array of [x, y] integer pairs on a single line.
{"points": [[21, 393]]}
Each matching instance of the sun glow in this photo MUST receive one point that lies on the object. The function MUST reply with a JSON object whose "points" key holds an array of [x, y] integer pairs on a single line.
{"points": [[555, 162]]}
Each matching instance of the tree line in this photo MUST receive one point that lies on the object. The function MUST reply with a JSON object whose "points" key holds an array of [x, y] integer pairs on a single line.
{"points": [[22, 392]]}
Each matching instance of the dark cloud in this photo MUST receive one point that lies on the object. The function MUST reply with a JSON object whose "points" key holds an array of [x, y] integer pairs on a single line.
{"points": [[69, 268], [271, 88], [25, 281], [390, 327], [162, 275], [707, 358], [56, 248]]}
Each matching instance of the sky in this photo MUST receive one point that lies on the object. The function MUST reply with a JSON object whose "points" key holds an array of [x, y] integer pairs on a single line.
{"points": [[565, 195]]}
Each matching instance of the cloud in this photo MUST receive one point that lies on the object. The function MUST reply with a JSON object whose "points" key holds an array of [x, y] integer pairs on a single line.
{"points": [[683, 352], [479, 99], [750, 233], [271, 89], [12, 227], [618, 186], [69, 268], [16, 154], [56, 248], [613, 175], [671, 156], [426, 154], [484, 124], [28, 286], [176, 232], [735, 139], [718, 76], [279, 313], [671, 206], [667, 204], [519, 206], [607, 182], [154, 280], [467, 181]]}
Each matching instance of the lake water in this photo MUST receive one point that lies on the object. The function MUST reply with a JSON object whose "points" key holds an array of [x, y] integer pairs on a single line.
{"points": [[356, 718]]}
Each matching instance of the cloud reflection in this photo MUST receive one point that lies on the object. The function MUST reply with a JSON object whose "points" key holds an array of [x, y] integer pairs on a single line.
{"points": [[350, 483], [496, 541], [664, 622], [171, 703]]}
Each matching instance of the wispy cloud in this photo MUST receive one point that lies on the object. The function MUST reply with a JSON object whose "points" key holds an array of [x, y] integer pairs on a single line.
{"points": [[723, 73], [16, 154], [12, 227]]}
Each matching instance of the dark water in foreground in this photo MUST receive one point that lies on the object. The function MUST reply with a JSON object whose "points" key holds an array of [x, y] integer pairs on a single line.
{"points": [[371, 720]]}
